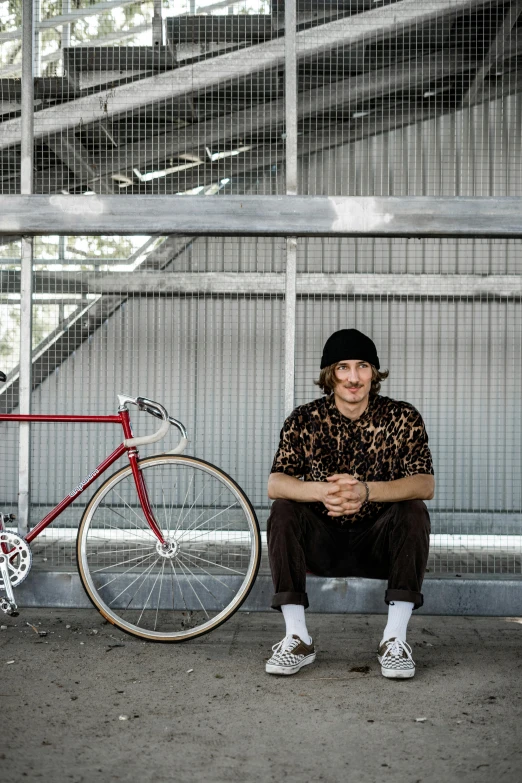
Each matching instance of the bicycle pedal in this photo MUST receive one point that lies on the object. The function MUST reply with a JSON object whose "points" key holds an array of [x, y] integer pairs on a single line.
{"points": [[6, 518], [8, 608]]}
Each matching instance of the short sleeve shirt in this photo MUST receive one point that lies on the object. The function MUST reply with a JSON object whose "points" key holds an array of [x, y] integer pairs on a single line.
{"points": [[388, 442]]}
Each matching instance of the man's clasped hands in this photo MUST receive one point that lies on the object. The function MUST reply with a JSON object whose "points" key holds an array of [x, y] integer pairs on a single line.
{"points": [[343, 495]]}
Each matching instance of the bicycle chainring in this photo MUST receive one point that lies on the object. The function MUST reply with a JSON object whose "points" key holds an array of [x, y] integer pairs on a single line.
{"points": [[17, 557]]}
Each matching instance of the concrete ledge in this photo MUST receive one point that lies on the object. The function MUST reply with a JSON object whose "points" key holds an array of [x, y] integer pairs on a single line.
{"points": [[488, 596]]}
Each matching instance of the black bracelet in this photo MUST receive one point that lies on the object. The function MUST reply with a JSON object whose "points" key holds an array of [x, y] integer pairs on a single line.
{"points": [[367, 488]]}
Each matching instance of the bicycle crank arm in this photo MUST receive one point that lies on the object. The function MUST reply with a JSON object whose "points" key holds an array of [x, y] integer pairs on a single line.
{"points": [[7, 605]]}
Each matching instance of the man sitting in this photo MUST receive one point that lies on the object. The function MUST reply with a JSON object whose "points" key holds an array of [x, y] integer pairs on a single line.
{"points": [[348, 481]]}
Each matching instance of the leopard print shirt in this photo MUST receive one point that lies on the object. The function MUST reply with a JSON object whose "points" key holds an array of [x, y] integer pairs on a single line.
{"points": [[387, 442]]}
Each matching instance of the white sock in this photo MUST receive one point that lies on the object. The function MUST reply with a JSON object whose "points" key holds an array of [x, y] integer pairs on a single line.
{"points": [[294, 615], [399, 613]]}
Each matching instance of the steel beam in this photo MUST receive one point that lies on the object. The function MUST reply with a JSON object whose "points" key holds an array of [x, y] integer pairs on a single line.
{"points": [[156, 281], [237, 64], [262, 216], [89, 58], [205, 28], [496, 52], [76, 158]]}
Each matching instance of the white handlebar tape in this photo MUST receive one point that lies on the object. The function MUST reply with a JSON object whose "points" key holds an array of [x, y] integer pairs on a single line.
{"points": [[143, 440], [182, 445]]}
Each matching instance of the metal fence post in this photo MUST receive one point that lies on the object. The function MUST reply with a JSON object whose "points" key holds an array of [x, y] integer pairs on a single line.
{"points": [[291, 190], [66, 30], [36, 39], [157, 24], [26, 280]]}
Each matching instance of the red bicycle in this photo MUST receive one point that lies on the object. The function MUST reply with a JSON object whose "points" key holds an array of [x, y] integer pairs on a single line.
{"points": [[167, 548]]}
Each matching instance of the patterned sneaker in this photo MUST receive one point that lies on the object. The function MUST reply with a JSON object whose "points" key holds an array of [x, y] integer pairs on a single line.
{"points": [[290, 655], [395, 659]]}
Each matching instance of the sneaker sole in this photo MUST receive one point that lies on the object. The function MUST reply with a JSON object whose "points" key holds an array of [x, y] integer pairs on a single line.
{"points": [[271, 668], [397, 674]]}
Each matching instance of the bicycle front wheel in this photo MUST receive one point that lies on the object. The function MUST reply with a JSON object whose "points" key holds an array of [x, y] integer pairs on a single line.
{"points": [[189, 587]]}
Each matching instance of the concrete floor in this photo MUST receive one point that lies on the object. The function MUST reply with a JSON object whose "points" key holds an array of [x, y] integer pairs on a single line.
{"points": [[88, 703]]}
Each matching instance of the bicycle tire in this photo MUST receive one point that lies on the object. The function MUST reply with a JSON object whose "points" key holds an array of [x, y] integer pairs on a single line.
{"points": [[215, 549]]}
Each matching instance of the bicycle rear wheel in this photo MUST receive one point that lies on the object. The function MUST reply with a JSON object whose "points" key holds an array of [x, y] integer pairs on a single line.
{"points": [[189, 588]]}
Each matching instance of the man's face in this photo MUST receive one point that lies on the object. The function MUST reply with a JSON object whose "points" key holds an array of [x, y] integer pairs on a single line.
{"points": [[354, 380]]}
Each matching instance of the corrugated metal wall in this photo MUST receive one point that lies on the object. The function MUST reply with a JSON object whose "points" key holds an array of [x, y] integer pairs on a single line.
{"points": [[216, 361], [471, 152]]}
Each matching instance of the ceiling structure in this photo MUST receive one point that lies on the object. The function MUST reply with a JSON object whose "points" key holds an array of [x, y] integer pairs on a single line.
{"points": [[208, 105], [205, 110]]}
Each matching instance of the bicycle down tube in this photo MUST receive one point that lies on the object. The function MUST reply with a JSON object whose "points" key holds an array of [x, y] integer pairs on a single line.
{"points": [[122, 418]]}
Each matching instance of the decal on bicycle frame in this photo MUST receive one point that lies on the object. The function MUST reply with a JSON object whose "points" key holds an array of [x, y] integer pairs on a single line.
{"points": [[81, 486]]}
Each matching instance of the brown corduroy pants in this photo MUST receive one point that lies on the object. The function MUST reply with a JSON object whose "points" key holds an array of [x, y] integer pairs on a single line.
{"points": [[394, 547]]}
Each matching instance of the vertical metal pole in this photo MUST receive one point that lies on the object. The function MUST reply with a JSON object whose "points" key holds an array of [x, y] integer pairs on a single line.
{"points": [[290, 97], [290, 303], [291, 190], [36, 48], [26, 279], [66, 30], [157, 24]]}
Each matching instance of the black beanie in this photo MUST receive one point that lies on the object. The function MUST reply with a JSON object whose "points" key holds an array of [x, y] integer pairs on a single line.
{"points": [[349, 344]]}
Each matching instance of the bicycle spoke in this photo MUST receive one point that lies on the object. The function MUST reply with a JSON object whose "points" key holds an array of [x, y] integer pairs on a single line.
{"points": [[145, 557], [179, 585], [148, 597], [204, 585], [144, 526], [205, 485], [229, 554], [193, 590], [128, 506], [184, 501], [167, 520], [118, 514], [193, 530], [172, 588], [213, 576], [122, 562], [140, 576], [209, 562], [127, 549], [206, 532], [130, 531], [159, 595], [214, 501]]}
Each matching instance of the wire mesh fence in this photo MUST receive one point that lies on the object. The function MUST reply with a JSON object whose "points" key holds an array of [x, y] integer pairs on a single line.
{"points": [[394, 98], [198, 324], [188, 322]]}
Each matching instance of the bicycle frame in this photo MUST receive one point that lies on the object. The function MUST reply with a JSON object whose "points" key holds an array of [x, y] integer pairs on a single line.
{"points": [[122, 418]]}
